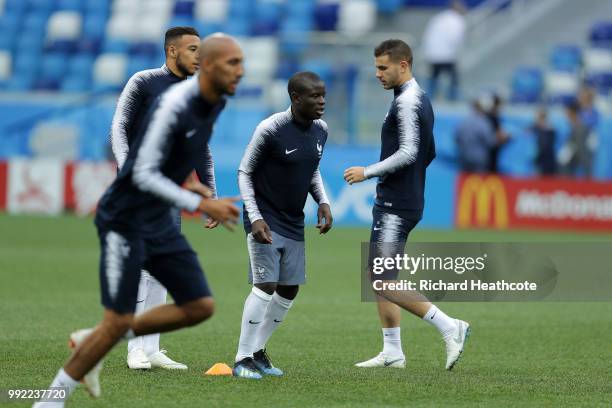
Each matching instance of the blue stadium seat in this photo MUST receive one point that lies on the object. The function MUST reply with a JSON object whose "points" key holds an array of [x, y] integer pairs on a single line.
{"points": [[15, 6], [601, 81], [94, 26], [322, 68], [81, 66], [267, 16], [97, 8], [237, 26], [88, 46], [240, 9], [70, 5], [144, 49], [601, 34], [326, 16], [45, 6], [116, 45], [184, 8], [566, 58], [388, 6], [6, 42], [21, 81], [286, 68], [65, 46], [75, 84], [35, 23], [139, 63], [30, 43], [206, 28], [53, 66], [527, 85], [181, 21]]}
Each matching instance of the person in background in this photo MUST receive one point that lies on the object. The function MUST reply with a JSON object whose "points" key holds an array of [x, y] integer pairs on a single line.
{"points": [[475, 138], [589, 115], [575, 157], [442, 41], [545, 161], [501, 136]]}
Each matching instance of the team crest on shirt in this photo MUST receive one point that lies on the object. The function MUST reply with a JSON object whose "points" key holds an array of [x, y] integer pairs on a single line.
{"points": [[319, 148]]}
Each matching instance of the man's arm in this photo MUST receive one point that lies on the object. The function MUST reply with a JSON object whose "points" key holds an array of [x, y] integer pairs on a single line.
{"points": [[126, 112], [156, 144], [408, 134], [206, 171], [251, 159], [317, 191]]}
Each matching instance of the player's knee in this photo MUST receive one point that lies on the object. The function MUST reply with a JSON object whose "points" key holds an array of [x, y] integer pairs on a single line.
{"points": [[268, 287], [288, 291], [199, 310]]}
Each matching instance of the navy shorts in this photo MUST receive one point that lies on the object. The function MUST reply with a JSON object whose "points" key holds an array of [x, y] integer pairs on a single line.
{"points": [[168, 258], [388, 238]]}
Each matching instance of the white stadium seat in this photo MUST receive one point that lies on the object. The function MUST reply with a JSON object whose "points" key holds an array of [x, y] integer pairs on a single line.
{"points": [[561, 83], [122, 27], [151, 28], [160, 8], [214, 11], [126, 7], [261, 57], [64, 25], [597, 60], [5, 65], [356, 17], [110, 69]]}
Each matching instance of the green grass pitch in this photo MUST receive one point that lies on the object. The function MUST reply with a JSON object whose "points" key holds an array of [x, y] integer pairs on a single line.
{"points": [[520, 354]]}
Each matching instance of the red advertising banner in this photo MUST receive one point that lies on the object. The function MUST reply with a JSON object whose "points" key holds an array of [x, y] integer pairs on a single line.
{"points": [[489, 201], [3, 184]]}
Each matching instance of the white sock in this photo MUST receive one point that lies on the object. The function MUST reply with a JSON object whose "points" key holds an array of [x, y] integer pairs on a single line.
{"points": [[275, 314], [445, 325], [62, 379], [254, 311], [155, 297], [392, 342], [143, 290]]}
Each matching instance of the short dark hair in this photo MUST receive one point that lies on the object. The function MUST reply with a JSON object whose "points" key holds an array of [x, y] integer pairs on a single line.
{"points": [[175, 33], [397, 50], [298, 81]]}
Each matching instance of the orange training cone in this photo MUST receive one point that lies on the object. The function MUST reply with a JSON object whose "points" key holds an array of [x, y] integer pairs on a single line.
{"points": [[219, 369]]}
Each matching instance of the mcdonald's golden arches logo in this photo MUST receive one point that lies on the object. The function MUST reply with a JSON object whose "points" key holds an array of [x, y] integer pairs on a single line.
{"points": [[482, 202]]}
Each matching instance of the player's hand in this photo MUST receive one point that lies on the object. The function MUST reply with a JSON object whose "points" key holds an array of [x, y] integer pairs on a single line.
{"points": [[261, 232], [324, 213], [210, 223], [354, 175], [192, 184], [223, 210]]}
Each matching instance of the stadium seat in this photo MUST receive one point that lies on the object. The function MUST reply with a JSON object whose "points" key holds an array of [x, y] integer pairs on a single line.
{"points": [[94, 26], [213, 11], [527, 84], [356, 17], [88, 46], [267, 16], [142, 48], [139, 63], [602, 82], [115, 46], [9, 24], [109, 72], [261, 56], [597, 60], [40, 6], [238, 27], [601, 34], [34, 24], [75, 84], [322, 68], [388, 6], [21, 81], [129, 8], [326, 16], [180, 21], [97, 8], [15, 6], [121, 27], [206, 28], [53, 66], [26, 61], [81, 65], [31, 42], [184, 8], [70, 5], [566, 58], [5, 65], [151, 28], [64, 25], [561, 86]]}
